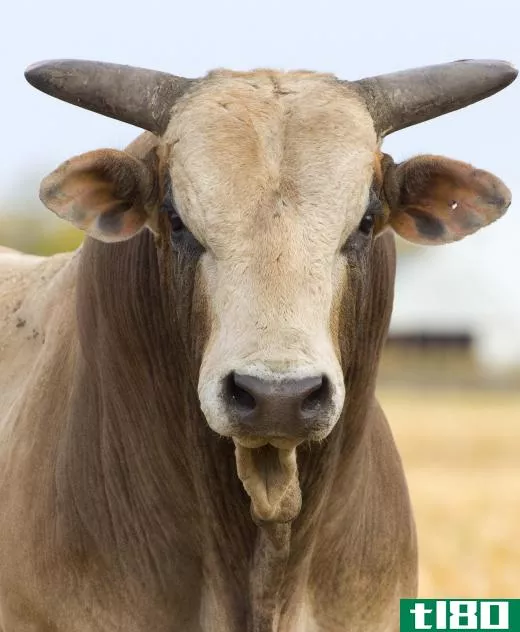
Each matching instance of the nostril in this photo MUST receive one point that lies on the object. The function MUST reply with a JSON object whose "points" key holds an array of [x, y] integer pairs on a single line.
{"points": [[318, 396], [238, 395]]}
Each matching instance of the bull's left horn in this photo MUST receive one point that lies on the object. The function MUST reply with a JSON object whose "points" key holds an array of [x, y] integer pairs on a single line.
{"points": [[405, 98], [133, 95]]}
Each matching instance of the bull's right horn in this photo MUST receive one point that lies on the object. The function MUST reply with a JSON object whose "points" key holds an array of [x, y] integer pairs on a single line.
{"points": [[137, 96]]}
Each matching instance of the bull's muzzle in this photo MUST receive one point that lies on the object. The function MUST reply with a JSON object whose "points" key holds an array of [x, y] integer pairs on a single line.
{"points": [[292, 409], [268, 414]]}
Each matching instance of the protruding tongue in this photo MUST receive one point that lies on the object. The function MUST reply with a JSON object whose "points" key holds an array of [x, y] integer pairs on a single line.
{"points": [[270, 477]]}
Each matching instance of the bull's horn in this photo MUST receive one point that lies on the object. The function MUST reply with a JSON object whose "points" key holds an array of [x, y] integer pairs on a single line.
{"points": [[134, 95], [406, 98]]}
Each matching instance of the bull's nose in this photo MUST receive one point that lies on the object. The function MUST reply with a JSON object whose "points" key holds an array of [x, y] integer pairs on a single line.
{"points": [[289, 408]]}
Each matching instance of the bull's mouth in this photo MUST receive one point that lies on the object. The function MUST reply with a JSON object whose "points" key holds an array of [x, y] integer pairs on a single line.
{"points": [[269, 474]]}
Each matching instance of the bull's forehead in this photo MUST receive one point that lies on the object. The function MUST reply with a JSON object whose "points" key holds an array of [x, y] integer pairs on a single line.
{"points": [[250, 147]]}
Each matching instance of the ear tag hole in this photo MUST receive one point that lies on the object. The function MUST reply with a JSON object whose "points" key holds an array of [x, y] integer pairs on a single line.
{"points": [[454, 205]]}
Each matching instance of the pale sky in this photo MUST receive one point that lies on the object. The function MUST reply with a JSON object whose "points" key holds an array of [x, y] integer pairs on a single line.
{"points": [[350, 39]]}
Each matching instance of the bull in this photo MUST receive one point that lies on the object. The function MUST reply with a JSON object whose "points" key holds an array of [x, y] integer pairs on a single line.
{"points": [[189, 435]]}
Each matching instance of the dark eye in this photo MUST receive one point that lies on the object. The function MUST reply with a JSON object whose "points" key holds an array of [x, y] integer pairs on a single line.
{"points": [[374, 208], [366, 226], [168, 207], [175, 221], [181, 237]]}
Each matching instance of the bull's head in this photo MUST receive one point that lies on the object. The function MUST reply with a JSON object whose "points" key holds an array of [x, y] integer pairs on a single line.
{"points": [[276, 185]]}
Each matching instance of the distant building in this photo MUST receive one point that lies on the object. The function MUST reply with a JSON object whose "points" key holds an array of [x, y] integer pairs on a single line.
{"points": [[458, 297]]}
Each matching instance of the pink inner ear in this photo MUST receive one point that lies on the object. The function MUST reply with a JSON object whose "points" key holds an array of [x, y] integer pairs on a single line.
{"points": [[444, 200]]}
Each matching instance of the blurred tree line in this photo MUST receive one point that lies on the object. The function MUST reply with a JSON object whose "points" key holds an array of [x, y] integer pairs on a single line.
{"points": [[26, 225], [38, 235]]}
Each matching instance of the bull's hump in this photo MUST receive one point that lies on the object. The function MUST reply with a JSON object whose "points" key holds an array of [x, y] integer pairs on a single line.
{"points": [[31, 288]]}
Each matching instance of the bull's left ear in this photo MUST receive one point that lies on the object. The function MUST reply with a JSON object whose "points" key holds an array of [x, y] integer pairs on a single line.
{"points": [[435, 200]]}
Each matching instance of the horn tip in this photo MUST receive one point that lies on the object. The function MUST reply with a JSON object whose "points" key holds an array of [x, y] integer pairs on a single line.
{"points": [[505, 69], [39, 73], [33, 72]]}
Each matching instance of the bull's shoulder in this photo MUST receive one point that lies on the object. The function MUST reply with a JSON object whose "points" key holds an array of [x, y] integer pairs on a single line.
{"points": [[31, 284], [35, 292], [10, 258]]}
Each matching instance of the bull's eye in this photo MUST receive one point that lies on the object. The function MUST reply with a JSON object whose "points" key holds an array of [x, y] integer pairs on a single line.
{"points": [[168, 207], [175, 221], [372, 213], [359, 240], [366, 226], [181, 237]]}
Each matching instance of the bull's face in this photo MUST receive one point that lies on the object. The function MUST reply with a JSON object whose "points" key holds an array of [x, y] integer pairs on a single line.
{"points": [[275, 184]]}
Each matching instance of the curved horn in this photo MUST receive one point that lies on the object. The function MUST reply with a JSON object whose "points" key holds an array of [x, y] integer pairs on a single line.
{"points": [[406, 98], [137, 96]]}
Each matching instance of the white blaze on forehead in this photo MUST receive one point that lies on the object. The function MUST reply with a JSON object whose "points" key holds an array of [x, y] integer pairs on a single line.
{"points": [[271, 172]]}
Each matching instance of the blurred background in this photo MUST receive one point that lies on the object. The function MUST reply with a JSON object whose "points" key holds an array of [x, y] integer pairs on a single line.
{"points": [[450, 377]]}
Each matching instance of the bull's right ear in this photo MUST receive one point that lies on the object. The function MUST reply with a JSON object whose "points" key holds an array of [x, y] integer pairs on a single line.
{"points": [[106, 193]]}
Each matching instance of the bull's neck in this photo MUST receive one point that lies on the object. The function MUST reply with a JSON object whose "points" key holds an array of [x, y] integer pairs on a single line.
{"points": [[136, 440]]}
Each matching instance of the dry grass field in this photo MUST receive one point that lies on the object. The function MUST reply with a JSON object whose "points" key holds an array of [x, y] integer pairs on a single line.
{"points": [[461, 453]]}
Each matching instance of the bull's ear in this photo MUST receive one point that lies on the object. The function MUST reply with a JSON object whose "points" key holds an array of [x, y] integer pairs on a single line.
{"points": [[107, 193], [435, 200]]}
